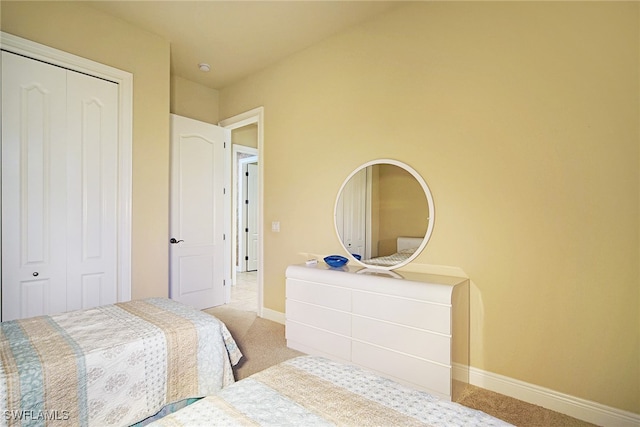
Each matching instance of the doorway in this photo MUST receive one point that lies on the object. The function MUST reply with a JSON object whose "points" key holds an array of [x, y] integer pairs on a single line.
{"points": [[247, 229], [244, 290], [247, 255]]}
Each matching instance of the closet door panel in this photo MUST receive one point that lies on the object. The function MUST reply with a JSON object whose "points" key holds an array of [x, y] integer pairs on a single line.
{"points": [[33, 187], [92, 106]]}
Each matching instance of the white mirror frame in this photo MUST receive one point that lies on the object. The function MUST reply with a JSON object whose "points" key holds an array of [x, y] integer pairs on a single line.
{"points": [[430, 217]]}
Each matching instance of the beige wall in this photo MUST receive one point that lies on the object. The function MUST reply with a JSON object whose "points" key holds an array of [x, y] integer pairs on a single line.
{"points": [[83, 31], [193, 100], [523, 119], [403, 208], [245, 135]]}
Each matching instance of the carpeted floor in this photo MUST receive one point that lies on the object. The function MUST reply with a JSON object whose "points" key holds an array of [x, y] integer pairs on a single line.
{"points": [[261, 341], [263, 344]]}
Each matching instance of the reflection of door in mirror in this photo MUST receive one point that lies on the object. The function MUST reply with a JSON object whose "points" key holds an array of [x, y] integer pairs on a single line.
{"points": [[377, 205], [353, 205], [384, 214]]}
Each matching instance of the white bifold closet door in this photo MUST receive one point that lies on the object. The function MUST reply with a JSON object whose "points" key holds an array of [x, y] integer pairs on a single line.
{"points": [[59, 189]]}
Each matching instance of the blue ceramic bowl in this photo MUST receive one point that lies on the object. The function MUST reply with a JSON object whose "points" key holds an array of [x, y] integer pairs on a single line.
{"points": [[336, 260]]}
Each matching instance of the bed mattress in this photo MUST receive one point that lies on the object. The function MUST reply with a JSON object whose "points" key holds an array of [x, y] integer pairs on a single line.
{"points": [[112, 365], [313, 391]]}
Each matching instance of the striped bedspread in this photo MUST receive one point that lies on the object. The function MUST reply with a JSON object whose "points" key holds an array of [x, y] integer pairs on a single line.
{"points": [[112, 365], [312, 391]]}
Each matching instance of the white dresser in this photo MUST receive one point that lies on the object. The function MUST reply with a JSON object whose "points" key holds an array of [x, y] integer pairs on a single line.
{"points": [[413, 328]]}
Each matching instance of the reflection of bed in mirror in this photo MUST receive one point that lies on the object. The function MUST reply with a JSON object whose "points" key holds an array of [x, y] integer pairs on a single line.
{"points": [[405, 247]]}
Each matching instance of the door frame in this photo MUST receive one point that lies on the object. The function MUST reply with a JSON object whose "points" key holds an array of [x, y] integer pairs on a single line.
{"points": [[124, 80], [254, 116]]}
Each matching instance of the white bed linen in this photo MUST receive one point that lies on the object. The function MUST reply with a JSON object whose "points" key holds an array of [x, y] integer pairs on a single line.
{"points": [[112, 365], [313, 391]]}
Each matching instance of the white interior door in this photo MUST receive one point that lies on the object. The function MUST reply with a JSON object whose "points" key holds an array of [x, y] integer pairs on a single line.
{"points": [[252, 217], [59, 194], [200, 213]]}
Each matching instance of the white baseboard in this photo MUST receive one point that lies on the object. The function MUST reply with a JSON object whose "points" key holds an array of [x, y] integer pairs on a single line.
{"points": [[275, 316], [575, 407]]}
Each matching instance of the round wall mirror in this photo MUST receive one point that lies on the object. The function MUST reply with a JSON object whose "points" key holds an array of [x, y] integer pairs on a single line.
{"points": [[384, 214]]}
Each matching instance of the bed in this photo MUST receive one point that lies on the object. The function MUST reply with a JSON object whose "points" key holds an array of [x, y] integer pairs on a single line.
{"points": [[314, 391], [405, 247], [113, 365]]}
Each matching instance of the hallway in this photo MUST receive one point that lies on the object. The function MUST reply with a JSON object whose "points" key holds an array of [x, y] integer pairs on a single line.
{"points": [[244, 295]]}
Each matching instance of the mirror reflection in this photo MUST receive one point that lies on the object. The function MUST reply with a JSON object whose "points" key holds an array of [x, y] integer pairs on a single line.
{"points": [[384, 214]]}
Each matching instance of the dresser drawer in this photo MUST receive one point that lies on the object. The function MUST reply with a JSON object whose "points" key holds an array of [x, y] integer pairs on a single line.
{"points": [[417, 342], [427, 376], [330, 320], [404, 311], [317, 341], [316, 293]]}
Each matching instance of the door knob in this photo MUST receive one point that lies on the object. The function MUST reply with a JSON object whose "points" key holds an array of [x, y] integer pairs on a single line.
{"points": [[35, 274], [173, 241]]}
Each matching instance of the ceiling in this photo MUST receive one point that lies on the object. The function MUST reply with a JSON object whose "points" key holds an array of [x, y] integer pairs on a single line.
{"points": [[238, 38]]}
